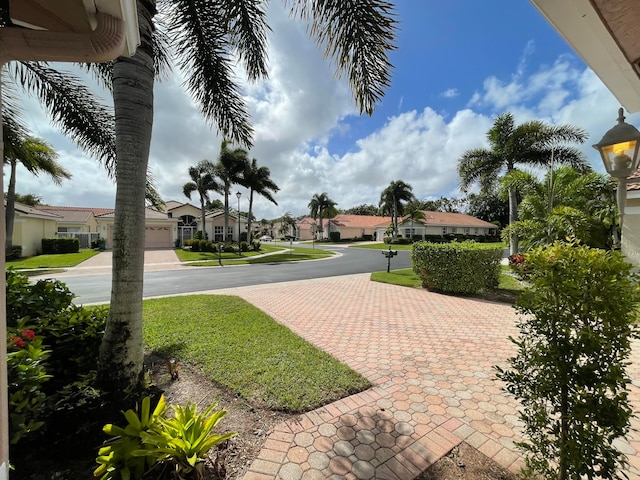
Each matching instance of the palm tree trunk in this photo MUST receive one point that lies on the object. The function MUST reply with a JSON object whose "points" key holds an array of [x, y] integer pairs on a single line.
{"points": [[10, 211], [204, 227], [513, 217], [249, 236], [227, 187], [120, 359], [321, 227]]}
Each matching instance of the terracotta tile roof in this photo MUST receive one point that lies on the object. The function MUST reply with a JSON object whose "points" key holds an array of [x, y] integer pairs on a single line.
{"points": [[454, 220], [96, 211], [633, 181], [149, 213], [71, 216], [360, 221], [173, 204], [32, 211]]}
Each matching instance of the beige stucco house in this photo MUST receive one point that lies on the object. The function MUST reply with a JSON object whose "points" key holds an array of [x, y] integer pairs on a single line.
{"points": [[30, 226], [160, 231], [439, 224]]}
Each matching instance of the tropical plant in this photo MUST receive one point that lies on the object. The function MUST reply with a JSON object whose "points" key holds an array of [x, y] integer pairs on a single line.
{"points": [[362, 209], [230, 169], [34, 154], [414, 214], [258, 180], [121, 458], [357, 34], [321, 206], [287, 226], [532, 143], [30, 199], [393, 198], [203, 180], [183, 440], [564, 204], [578, 320]]}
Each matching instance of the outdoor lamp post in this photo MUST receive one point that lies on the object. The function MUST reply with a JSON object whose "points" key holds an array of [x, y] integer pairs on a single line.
{"points": [[238, 194], [619, 151]]}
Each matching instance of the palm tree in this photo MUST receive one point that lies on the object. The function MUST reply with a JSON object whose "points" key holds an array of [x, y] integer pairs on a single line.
{"points": [[414, 213], [229, 169], [393, 198], [209, 38], [564, 204], [320, 207], [203, 180], [533, 143], [258, 180], [34, 154]]}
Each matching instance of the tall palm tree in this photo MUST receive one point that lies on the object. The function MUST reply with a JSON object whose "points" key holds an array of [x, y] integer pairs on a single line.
{"points": [[229, 169], [393, 198], [209, 38], [34, 154], [203, 180], [320, 207], [414, 213], [533, 143], [258, 180]]}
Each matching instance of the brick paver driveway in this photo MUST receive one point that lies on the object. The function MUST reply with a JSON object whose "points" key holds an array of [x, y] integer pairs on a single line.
{"points": [[430, 358]]}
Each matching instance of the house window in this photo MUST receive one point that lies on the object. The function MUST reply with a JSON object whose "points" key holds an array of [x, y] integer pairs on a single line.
{"points": [[454, 229], [409, 232], [467, 231], [230, 231], [476, 231], [218, 231], [444, 230]]}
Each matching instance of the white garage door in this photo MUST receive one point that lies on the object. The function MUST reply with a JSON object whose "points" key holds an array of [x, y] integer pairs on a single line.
{"points": [[157, 236]]}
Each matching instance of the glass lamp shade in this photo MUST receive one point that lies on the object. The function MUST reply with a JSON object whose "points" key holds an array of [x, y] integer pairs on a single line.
{"points": [[619, 148]]}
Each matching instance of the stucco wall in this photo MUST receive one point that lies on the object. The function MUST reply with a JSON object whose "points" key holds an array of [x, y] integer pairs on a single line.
{"points": [[29, 232]]}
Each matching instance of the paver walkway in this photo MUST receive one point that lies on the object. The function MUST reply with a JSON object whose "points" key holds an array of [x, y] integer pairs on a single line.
{"points": [[430, 359]]}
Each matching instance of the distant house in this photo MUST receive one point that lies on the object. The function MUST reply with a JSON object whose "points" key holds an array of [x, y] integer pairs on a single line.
{"points": [[30, 226], [441, 224], [77, 222], [305, 228], [188, 217], [357, 226], [215, 226], [160, 228]]}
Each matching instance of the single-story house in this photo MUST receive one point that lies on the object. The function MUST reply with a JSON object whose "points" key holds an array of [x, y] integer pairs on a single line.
{"points": [[160, 231], [356, 226], [188, 219], [215, 226], [77, 222], [441, 223], [607, 37], [30, 226], [306, 228]]}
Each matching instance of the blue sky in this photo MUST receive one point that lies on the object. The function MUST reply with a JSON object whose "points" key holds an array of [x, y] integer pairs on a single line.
{"points": [[459, 63]]}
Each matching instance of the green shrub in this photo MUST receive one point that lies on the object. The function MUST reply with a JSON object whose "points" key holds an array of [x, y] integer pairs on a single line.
{"points": [[60, 245], [15, 253], [36, 300], [334, 236], [244, 247], [26, 371], [401, 241], [193, 243], [578, 320], [458, 267], [255, 245]]}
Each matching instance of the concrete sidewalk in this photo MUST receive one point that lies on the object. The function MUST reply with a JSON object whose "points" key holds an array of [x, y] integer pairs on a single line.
{"points": [[431, 361]]}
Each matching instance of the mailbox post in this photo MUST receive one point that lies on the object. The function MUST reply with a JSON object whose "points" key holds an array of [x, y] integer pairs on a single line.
{"points": [[388, 254]]}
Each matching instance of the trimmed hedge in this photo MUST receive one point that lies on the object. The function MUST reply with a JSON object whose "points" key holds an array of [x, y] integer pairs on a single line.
{"points": [[458, 267], [60, 245], [334, 236]]}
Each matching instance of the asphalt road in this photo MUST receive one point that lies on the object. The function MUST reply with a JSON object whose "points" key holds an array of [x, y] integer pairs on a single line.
{"points": [[97, 288]]}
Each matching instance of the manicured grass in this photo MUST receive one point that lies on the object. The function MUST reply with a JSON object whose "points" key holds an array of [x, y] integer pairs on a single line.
{"points": [[242, 348], [61, 260], [295, 255], [189, 256], [407, 278]]}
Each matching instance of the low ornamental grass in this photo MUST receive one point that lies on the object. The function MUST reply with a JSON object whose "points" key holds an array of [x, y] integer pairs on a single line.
{"points": [[240, 347]]}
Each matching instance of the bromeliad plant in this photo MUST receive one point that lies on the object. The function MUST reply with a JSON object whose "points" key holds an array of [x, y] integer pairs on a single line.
{"points": [[184, 440], [152, 440], [117, 460]]}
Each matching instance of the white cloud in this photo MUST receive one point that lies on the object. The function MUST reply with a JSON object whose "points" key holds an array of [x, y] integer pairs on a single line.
{"points": [[302, 111]]}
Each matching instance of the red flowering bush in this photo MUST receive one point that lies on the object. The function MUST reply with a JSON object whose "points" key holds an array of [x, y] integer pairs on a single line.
{"points": [[26, 368], [519, 265]]}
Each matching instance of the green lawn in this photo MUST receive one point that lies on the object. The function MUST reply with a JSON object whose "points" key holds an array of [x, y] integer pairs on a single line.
{"points": [[189, 256], [62, 260], [288, 255], [407, 278], [243, 349], [384, 246]]}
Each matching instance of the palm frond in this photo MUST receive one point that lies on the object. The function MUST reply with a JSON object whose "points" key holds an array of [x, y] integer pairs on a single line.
{"points": [[200, 32], [358, 36], [72, 107]]}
